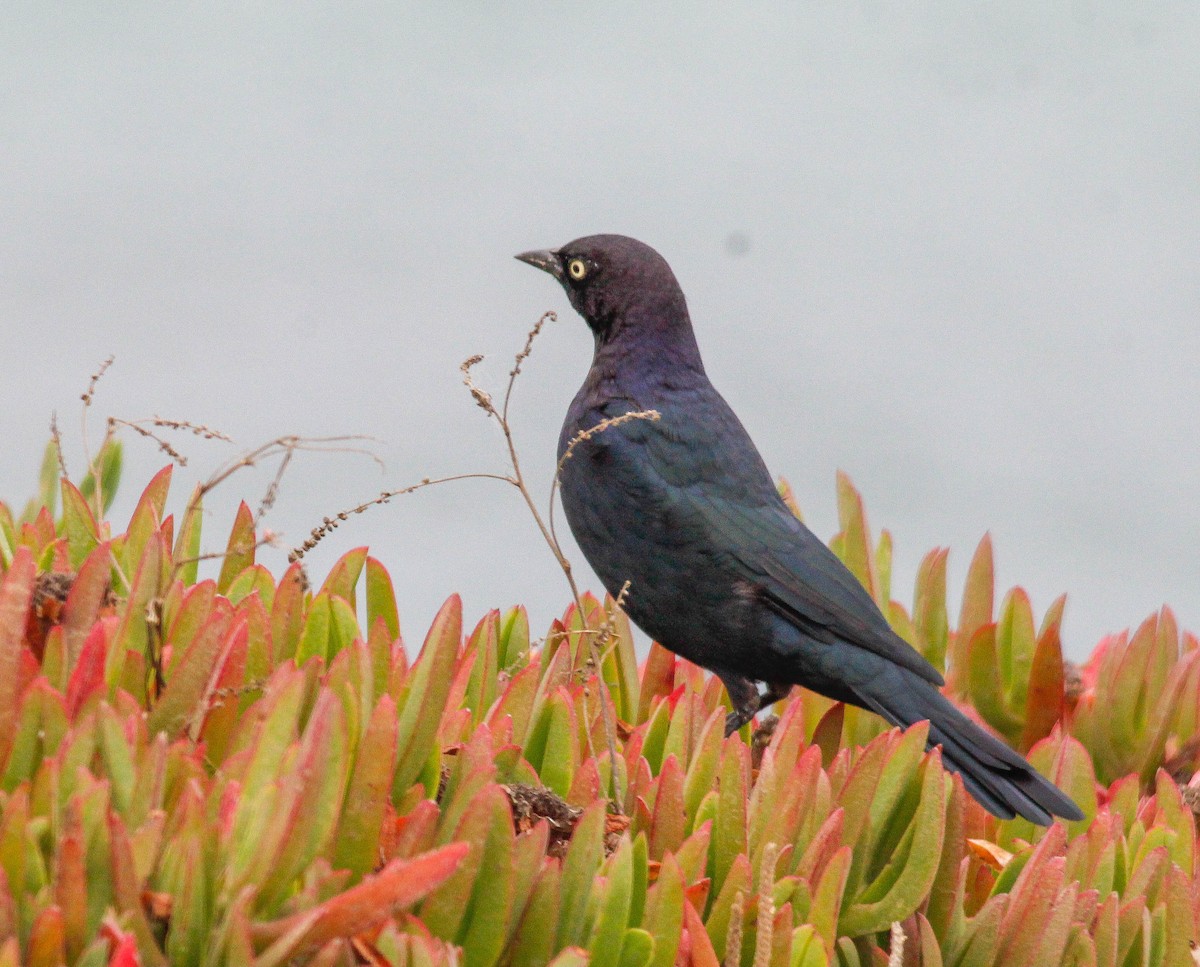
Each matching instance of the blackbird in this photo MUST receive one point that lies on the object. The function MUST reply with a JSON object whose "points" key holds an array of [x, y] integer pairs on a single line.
{"points": [[720, 570]]}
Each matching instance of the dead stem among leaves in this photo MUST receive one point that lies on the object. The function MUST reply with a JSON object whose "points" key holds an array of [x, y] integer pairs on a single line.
{"points": [[762, 738], [533, 803], [50, 592]]}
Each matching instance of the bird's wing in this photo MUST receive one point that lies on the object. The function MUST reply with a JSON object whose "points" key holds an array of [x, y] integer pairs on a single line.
{"points": [[718, 480], [803, 581]]}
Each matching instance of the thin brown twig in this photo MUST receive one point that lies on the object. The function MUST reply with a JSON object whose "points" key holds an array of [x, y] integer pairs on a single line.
{"points": [[598, 638], [163, 445], [604, 633], [601, 642], [96, 470], [284, 447], [548, 316], [268, 539], [581, 437], [119, 571], [86, 397], [142, 428], [272, 494], [484, 400], [331, 523], [56, 436], [95, 378], [284, 444], [196, 429]]}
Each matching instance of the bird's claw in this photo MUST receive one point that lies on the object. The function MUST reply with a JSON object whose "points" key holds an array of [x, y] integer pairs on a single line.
{"points": [[734, 721]]}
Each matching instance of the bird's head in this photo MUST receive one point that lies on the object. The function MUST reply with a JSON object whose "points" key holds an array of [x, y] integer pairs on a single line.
{"points": [[612, 279]]}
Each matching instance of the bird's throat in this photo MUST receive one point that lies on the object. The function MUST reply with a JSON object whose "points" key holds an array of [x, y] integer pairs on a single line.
{"points": [[649, 347]]}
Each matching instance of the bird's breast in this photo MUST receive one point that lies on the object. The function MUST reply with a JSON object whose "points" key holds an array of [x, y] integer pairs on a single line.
{"points": [[631, 527]]}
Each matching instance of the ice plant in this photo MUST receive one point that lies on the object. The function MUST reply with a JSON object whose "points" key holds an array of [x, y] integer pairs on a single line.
{"points": [[250, 770]]}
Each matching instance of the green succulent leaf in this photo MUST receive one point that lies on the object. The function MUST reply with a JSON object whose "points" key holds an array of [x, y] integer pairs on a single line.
{"points": [[420, 713], [99, 486]]}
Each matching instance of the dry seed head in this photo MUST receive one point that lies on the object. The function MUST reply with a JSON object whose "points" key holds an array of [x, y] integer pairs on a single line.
{"points": [[331, 523], [269, 499], [95, 378], [196, 429], [163, 445], [550, 316], [619, 601], [272, 493], [1072, 682], [733, 939], [482, 398], [584, 435], [58, 449]]}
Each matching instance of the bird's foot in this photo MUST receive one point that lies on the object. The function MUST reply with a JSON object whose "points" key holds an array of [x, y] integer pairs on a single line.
{"points": [[743, 697], [737, 718]]}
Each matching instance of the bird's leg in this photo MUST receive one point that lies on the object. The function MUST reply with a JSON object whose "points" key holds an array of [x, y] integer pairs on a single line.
{"points": [[743, 695], [747, 703], [776, 692]]}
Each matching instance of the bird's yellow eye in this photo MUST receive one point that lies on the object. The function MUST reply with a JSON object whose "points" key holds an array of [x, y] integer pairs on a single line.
{"points": [[576, 269]]}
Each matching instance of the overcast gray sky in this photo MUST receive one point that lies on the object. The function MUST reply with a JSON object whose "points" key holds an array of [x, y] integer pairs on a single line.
{"points": [[949, 248]]}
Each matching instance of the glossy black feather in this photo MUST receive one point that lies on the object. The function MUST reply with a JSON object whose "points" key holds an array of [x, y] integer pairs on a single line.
{"points": [[720, 570]]}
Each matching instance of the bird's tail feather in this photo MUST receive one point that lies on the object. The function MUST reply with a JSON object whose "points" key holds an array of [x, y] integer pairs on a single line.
{"points": [[997, 776]]}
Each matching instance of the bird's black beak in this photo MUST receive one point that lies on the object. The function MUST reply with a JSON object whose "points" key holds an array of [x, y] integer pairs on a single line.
{"points": [[544, 259]]}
